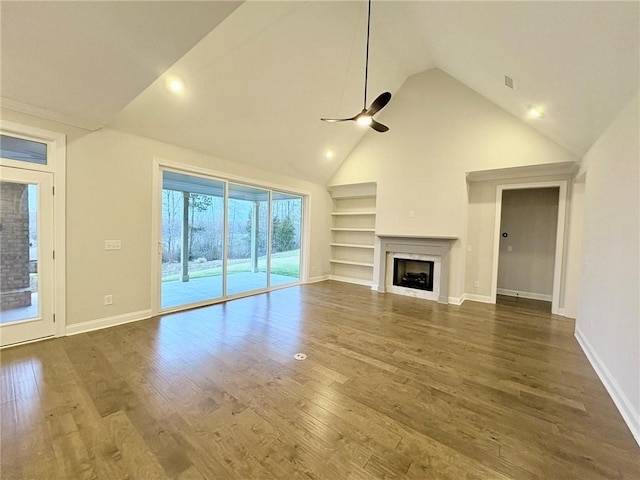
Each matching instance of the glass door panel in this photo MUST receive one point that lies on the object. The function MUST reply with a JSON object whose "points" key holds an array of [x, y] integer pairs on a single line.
{"points": [[285, 238], [26, 255], [248, 227], [192, 238]]}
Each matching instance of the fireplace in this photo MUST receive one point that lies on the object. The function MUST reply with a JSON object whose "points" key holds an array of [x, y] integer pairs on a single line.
{"points": [[432, 251], [416, 274]]}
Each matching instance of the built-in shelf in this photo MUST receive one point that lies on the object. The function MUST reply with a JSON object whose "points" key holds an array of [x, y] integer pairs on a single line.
{"points": [[352, 213], [353, 222], [351, 245], [349, 262]]}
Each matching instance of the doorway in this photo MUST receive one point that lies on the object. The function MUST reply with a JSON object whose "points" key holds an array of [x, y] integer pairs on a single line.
{"points": [[32, 227], [26, 252], [529, 240]]}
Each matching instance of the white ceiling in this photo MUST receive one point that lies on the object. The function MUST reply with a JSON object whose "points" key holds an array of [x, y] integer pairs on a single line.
{"points": [[82, 62], [258, 83]]}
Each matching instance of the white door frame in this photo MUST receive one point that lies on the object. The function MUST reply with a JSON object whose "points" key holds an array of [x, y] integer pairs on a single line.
{"points": [[559, 255], [56, 164]]}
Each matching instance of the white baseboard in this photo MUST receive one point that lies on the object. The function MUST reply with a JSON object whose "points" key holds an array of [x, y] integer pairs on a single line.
{"points": [[530, 295], [457, 300], [356, 281], [100, 323], [478, 298], [374, 287], [630, 416], [319, 278]]}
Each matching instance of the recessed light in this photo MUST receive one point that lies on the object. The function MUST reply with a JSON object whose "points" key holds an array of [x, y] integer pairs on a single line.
{"points": [[175, 85], [329, 154], [535, 112]]}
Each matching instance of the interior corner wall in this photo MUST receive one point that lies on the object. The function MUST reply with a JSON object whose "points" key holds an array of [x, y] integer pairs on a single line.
{"points": [[109, 196], [439, 130], [608, 321]]}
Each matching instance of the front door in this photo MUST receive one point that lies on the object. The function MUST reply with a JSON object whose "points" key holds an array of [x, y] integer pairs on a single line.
{"points": [[26, 255]]}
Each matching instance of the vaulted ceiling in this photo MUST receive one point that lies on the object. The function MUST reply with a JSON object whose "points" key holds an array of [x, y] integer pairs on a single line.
{"points": [[259, 75]]}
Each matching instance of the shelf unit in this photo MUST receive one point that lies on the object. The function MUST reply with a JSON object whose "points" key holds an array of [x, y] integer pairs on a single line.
{"points": [[353, 222]]}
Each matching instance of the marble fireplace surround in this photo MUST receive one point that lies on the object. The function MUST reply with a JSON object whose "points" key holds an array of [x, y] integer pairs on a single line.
{"points": [[437, 246]]}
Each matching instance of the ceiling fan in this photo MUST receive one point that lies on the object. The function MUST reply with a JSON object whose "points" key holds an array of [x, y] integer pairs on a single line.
{"points": [[365, 117]]}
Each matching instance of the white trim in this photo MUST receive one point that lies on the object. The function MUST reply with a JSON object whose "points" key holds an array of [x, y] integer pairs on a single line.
{"points": [[355, 281], [318, 278], [544, 170], [305, 243], [559, 255], [630, 416], [62, 118], [457, 300], [57, 165], [59, 154], [479, 298], [530, 295], [156, 237], [100, 323]]}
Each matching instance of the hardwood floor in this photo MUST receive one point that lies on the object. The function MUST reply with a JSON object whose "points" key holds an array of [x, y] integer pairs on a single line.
{"points": [[393, 387]]}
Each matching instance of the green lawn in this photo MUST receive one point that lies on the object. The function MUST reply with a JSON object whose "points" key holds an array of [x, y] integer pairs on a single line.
{"points": [[282, 263]]}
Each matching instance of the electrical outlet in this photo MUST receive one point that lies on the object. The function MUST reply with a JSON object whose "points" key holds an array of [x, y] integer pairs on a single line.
{"points": [[313, 268], [469, 248], [411, 213], [112, 244], [509, 248], [108, 299], [476, 284]]}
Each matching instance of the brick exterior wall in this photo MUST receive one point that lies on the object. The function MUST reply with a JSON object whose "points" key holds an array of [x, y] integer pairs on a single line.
{"points": [[14, 246]]}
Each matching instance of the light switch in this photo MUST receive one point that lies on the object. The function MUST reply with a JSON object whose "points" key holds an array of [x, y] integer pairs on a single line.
{"points": [[509, 248]]}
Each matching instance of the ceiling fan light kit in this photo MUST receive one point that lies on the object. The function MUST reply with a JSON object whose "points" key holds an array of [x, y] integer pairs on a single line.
{"points": [[365, 117]]}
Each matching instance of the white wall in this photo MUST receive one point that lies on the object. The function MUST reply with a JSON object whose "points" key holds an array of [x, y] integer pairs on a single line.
{"points": [[109, 196], [529, 218], [440, 129], [608, 322]]}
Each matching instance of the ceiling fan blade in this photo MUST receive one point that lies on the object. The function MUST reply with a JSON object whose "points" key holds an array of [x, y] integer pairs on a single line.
{"points": [[379, 103], [378, 127], [334, 120]]}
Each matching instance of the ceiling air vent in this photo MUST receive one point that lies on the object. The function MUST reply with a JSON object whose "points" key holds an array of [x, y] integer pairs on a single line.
{"points": [[508, 81]]}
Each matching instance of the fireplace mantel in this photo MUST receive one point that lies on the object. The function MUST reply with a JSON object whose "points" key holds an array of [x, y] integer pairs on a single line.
{"points": [[436, 245]]}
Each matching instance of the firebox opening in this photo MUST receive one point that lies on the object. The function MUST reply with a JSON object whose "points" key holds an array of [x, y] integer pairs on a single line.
{"points": [[416, 274]]}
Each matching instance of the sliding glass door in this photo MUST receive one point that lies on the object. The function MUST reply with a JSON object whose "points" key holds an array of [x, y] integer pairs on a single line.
{"points": [[286, 214], [221, 239], [248, 234], [192, 239]]}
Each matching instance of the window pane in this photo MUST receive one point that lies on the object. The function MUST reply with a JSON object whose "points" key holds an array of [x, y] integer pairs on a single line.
{"points": [[23, 150], [192, 237], [247, 239], [19, 252], [285, 238]]}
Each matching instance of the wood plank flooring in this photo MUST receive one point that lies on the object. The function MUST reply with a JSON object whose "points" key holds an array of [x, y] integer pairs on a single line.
{"points": [[393, 387]]}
